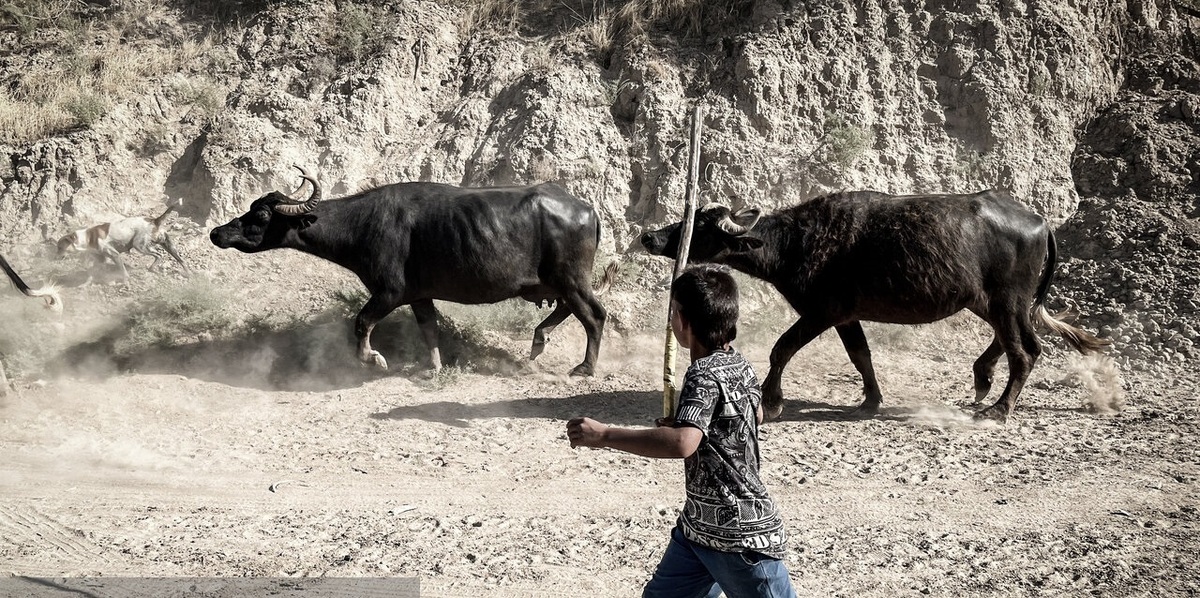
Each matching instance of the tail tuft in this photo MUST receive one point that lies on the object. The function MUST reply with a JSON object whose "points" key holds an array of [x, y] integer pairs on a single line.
{"points": [[610, 275], [49, 294], [1082, 340]]}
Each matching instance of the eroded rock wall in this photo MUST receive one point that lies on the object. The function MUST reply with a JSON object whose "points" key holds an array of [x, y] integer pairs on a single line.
{"points": [[911, 96]]}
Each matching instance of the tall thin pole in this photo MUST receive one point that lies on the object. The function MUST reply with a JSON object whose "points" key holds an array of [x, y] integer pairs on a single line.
{"points": [[670, 391]]}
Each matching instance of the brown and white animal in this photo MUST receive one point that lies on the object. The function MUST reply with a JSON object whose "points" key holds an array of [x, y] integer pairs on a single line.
{"points": [[865, 256], [48, 293], [111, 239]]}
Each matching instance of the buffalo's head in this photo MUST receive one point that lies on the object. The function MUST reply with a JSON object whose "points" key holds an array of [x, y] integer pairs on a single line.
{"points": [[716, 232], [269, 220]]}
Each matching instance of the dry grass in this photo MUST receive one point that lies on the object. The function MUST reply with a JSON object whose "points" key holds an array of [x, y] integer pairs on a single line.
{"points": [[608, 26], [493, 17], [83, 58], [604, 25], [87, 60]]}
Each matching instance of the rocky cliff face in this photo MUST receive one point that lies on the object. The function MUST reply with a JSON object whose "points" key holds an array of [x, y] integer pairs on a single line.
{"points": [[911, 96]]}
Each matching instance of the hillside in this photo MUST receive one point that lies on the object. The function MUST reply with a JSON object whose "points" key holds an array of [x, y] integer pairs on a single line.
{"points": [[216, 423], [1076, 109]]}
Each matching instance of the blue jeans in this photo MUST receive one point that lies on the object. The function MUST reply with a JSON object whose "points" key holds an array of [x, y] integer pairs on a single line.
{"points": [[688, 570]]}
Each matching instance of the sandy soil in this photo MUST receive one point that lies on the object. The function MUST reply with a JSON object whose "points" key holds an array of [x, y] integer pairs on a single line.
{"points": [[467, 481]]}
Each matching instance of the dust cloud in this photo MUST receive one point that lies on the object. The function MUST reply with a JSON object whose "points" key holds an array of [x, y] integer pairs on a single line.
{"points": [[1101, 378]]}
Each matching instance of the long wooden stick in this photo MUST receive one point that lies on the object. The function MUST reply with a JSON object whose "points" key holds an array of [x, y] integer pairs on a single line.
{"points": [[670, 391]]}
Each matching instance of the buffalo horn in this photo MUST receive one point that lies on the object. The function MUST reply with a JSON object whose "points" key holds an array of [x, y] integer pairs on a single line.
{"points": [[728, 225], [307, 206]]}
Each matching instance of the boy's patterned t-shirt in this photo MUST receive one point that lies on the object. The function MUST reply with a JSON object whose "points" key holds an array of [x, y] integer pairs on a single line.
{"points": [[727, 506]]}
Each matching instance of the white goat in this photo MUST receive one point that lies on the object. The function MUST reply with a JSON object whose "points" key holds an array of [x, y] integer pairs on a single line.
{"points": [[111, 239]]}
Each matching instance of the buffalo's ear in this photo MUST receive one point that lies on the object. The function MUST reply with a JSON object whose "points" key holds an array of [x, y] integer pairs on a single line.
{"points": [[306, 220], [744, 243]]}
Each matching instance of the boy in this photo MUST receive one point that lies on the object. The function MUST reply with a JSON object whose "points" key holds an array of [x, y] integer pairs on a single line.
{"points": [[729, 536]]}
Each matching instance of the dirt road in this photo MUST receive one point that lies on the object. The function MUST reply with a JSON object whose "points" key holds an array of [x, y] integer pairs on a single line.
{"points": [[468, 483]]}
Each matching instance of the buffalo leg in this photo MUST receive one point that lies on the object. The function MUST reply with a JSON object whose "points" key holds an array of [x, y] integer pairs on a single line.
{"points": [[1019, 341], [426, 315], [985, 368], [376, 309], [801, 333], [543, 330], [591, 314], [855, 342]]}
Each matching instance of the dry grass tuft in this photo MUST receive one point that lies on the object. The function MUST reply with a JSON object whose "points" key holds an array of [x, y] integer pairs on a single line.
{"points": [[1099, 375], [496, 17], [88, 58]]}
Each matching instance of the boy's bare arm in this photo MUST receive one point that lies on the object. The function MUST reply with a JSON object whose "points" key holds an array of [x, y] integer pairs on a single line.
{"points": [[661, 442]]}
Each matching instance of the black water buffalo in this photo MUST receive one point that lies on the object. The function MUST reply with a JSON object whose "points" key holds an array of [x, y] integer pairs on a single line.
{"points": [[411, 243], [853, 256]]}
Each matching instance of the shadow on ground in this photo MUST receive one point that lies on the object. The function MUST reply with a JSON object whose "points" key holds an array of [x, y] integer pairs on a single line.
{"points": [[642, 407], [308, 356], [623, 408], [931, 413]]}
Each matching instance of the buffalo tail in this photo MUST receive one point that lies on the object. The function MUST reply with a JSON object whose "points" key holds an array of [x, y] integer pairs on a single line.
{"points": [[1082, 340], [610, 274], [49, 293]]}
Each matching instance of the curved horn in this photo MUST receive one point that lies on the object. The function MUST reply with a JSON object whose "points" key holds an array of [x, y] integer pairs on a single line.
{"points": [[728, 225], [307, 206]]}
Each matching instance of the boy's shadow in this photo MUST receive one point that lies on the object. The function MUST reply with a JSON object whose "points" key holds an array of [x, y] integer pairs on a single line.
{"points": [[624, 408]]}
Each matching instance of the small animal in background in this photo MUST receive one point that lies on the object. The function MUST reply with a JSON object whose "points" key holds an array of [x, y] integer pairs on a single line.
{"points": [[111, 239], [48, 293]]}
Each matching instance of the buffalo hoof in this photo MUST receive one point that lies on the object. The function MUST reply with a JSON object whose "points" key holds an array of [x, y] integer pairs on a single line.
{"points": [[980, 395], [378, 361], [582, 369], [994, 413], [771, 412], [536, 350], [865, 411]]}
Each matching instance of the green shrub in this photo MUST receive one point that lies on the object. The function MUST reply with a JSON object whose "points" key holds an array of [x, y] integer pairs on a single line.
{"points": [[87, 108], [175, 314], [361, 31], [845, 142], [205, 97], [514, 316]]}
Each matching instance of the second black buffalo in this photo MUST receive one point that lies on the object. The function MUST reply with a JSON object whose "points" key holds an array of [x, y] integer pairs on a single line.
{"points": [[865, 256]]}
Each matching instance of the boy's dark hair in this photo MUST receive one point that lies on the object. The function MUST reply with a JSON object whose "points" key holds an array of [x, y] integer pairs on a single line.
{"points": [[707, 297]]}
